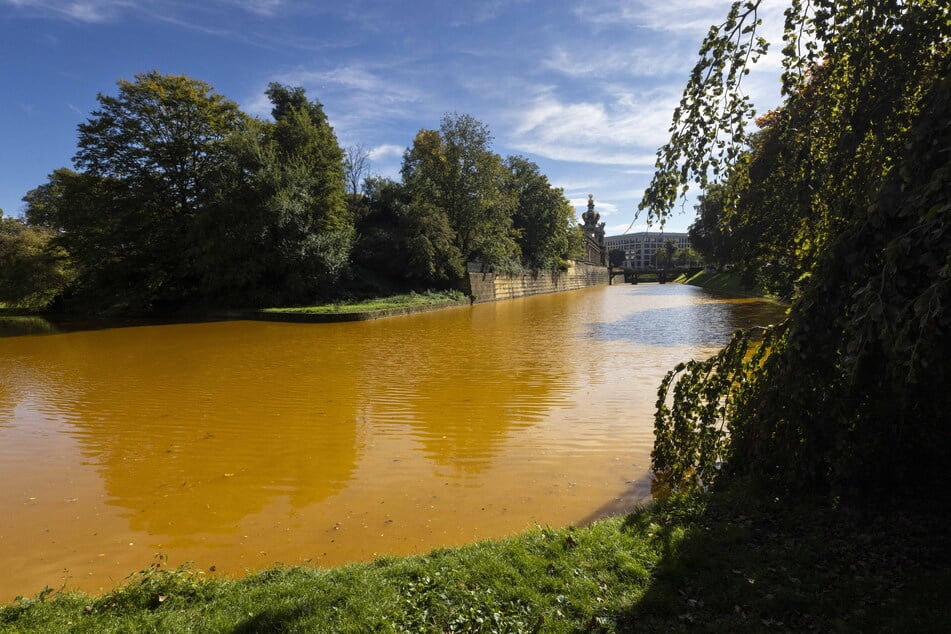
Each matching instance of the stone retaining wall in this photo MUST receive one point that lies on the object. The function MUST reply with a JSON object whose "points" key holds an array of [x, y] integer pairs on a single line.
{"points": [[489, 287]]}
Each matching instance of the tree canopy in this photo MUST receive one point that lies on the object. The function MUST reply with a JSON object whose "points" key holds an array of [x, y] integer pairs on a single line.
{"points": [[543, 219], [505, 213], [845, 191], [32, 272], [280, 230], [454, 169], [408, 235], [181, 199]]}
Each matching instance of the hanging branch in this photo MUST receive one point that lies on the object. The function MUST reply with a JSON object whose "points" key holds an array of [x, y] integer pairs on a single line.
{"points": [[708, 128]]}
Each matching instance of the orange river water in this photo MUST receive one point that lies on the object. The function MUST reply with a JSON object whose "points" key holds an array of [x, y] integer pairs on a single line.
{"points": [[237, 445]]}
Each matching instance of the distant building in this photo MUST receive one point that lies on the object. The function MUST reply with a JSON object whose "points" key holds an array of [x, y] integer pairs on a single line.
{"points": [[595, 251], [640, 248]]}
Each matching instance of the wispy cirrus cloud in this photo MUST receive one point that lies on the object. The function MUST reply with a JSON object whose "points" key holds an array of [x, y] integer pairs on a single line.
{"points": [[610, 62], [363, 102], [481, 12], [96, 11], [360, 79], [90, 11], [355, 92], [671, 15], [685, 21], [624, 130], [603, 208], [386, 151], [259, 7]]}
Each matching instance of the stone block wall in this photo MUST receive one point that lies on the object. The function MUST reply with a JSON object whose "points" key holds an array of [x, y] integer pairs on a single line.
{"points": [[489, 287]]}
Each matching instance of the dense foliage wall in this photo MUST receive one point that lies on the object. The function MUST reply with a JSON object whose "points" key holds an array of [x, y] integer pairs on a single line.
{"points": [[460, 202], [845, 191], [181, 201]]}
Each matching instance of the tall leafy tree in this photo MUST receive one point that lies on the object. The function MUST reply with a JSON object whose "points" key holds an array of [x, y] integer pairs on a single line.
{"points": [[455, 170], [182, 199], [616, 257], [710, 233], [406, 240], [542, 219], [303, 135], [146, 159], [160, 137], [280, 229], [108, 245]]}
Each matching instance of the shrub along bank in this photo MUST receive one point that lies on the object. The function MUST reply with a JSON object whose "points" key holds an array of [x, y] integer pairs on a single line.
{"points": [[719, 563]]}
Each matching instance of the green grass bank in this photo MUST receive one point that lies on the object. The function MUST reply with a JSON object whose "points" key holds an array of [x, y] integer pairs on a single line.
{"points": [[709, 563], [364, 309], [725, 282], [345, 310]]}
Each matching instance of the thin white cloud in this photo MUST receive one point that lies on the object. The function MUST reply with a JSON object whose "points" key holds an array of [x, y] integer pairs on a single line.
{"points": [[670, 15], [363, 103], [353, 88], [382, 152], [258, 105], [90, 11], [97, 11], [685, 21], [576, 188], [620, 229], [609, 61], [480, 12], [603, 208], [359, 79], [624, 131], [360, 97], [259, 7]]}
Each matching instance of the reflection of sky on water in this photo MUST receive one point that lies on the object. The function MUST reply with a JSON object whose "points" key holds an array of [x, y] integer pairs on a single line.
{"points": [[700, 324]]}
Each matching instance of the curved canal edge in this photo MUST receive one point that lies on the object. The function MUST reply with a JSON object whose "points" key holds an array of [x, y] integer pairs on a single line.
{"points": [[338, 317], [480, 287]]}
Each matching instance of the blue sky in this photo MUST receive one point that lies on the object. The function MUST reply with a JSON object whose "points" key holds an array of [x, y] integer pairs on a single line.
{"points": [[585, 88]]}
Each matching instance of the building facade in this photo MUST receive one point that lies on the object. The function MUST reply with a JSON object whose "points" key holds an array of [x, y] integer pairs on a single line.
{"points": [[640, 249], [595, 251]]}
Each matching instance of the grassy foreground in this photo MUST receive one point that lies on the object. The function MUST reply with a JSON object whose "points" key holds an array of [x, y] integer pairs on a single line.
{"points": [[708, 563], [410, 300]]}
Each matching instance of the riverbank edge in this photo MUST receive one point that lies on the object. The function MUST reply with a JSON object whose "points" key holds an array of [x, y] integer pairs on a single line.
{"points": [[293, 315], [721, 562], [475, 293], [724, 282], [342, 316]]}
